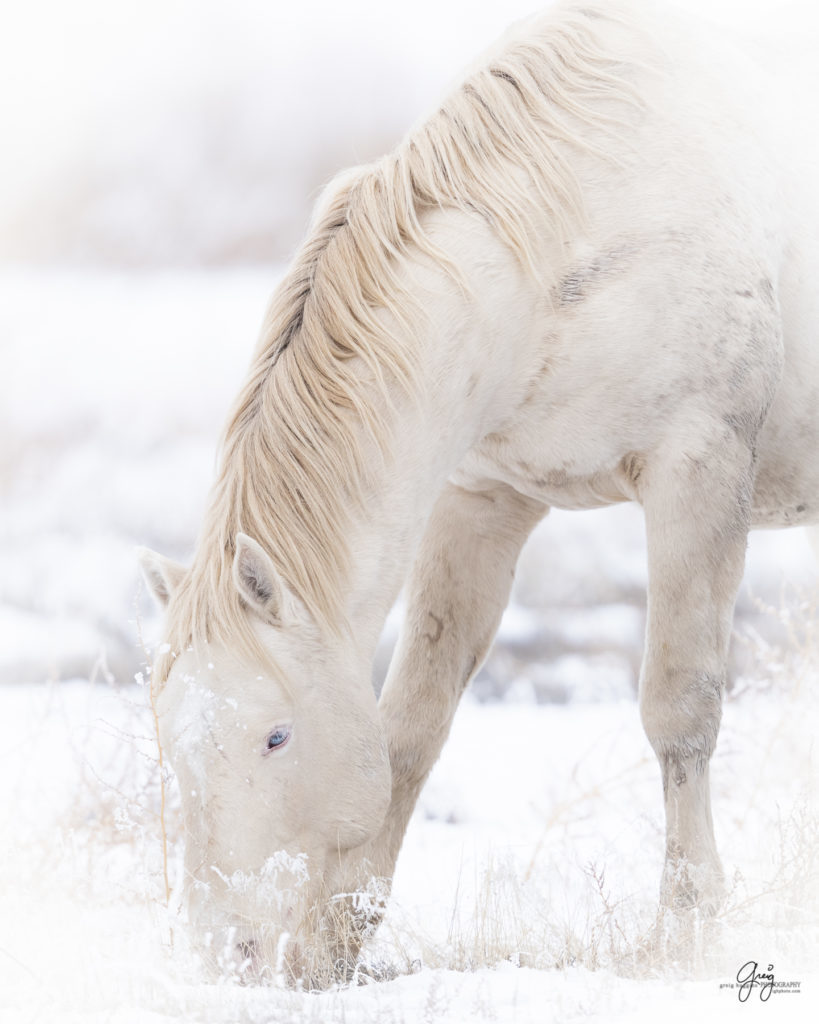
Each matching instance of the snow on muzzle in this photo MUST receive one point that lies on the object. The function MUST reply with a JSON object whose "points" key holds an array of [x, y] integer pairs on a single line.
{"points": [[251, 924]]}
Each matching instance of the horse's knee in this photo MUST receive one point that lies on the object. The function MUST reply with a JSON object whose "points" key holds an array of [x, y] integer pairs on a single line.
{"points": [[681, 716]]}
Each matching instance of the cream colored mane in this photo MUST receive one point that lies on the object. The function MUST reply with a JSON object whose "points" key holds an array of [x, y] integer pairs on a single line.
{"points": [[293, 458]]}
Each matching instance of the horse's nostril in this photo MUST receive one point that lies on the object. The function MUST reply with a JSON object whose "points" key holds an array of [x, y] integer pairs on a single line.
{"points": [[247, 949]]}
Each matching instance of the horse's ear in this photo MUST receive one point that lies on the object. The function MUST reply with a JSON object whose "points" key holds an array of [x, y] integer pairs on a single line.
{"points": [[259, 583], [161, 574]]}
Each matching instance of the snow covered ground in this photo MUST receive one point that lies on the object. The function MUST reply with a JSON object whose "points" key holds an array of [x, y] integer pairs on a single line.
{"points": [[167, 134], [527, 885], [525, 891]]}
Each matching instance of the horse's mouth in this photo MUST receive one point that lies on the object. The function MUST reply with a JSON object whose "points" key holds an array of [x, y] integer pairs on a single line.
{"points": [[265, 959]]}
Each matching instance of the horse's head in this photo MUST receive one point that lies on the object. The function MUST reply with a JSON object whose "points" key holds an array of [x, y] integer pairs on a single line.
{"points": [[281, 766]]}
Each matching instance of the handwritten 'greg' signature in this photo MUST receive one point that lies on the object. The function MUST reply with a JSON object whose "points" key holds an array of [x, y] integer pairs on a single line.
{"points": [[749, 976]]}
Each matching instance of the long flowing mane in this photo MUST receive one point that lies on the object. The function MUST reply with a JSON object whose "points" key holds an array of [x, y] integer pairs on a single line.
{"points": [[294, 458]]}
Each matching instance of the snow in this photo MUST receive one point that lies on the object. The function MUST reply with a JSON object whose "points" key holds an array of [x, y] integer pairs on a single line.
{"points": [[142, 242], [536, 846]]}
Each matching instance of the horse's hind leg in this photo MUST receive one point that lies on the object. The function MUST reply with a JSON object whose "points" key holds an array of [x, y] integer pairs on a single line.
{"points": [[696, 502]]}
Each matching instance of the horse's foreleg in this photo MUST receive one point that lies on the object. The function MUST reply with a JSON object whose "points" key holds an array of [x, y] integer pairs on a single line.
{"points": [[697, 511], [456, 595]]}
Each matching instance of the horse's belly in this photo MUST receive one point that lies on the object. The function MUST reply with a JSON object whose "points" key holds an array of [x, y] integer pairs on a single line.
{"points": [[570, 454], [787, 482], [786, 490]]}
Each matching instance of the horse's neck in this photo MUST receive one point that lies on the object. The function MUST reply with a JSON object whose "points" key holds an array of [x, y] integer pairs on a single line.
{"points": [[475, 349]]}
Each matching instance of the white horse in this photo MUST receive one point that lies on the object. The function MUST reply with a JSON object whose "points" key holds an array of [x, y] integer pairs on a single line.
{"points": [[588, 278]]}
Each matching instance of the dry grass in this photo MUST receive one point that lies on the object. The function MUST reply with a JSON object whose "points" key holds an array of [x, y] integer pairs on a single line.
{"points": [[543, 907]]}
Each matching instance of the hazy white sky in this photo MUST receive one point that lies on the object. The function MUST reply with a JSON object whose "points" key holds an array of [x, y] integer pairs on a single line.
{"points": [[62, 64], [123, 121], [98, 94]]}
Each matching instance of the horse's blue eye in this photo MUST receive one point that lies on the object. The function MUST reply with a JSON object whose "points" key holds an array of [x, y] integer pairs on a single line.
{"points": [[278, 738]]}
